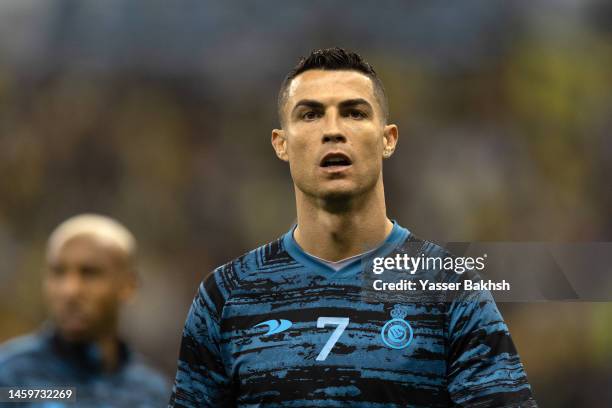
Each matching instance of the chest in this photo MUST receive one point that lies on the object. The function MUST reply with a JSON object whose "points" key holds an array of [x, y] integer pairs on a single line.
{"points": [[332, 342]]}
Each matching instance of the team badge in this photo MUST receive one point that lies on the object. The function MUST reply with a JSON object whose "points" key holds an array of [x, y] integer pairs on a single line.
{"points": [[397, 333]]}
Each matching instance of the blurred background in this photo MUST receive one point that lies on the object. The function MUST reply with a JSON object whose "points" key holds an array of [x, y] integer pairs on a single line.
{"points": [[159, 114]]}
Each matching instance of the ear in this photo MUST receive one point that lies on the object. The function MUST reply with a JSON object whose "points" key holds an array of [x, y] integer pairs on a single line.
{"points": [[279, 143], [390, 136]]}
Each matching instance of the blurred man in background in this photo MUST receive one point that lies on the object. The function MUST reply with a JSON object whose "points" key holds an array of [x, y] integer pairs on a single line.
{"points": [[294, 323], [90, 274]]}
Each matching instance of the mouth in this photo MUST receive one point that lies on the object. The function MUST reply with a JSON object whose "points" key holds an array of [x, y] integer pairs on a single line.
{"points": [[335, 161]]}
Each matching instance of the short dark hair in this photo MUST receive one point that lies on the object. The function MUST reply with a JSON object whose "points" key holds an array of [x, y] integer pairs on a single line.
{"points": [[334, 59]]}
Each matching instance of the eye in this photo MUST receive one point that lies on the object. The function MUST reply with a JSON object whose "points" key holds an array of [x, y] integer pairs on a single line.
{"points": [[90, 271], [357, 114], [57, 271], [310, 115]]}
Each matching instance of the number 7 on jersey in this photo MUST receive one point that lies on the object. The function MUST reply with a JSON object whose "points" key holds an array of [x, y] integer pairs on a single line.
{"points": [[341, 323]]}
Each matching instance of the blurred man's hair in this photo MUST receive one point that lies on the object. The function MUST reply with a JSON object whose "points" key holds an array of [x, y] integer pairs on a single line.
{"points": [[104, 229], [334, 59]]}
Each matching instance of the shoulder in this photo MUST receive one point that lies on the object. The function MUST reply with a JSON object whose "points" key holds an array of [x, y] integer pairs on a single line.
{"points": [[427, 259], [141, 372], [446, 270], [417, 246], [21, 348], [247, 270], [453, 262], [268, 257], [25, 354]]}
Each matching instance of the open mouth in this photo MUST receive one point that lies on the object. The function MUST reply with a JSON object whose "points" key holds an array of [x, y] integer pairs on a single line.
{"points": [[335, 160]]}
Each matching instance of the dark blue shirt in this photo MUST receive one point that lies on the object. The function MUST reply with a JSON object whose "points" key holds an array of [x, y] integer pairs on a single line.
{"points": [[43, 359], [280, 328]]}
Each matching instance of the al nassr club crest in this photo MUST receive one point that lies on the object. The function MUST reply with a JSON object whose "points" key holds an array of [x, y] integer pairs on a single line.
{"points": [[397, 333]]}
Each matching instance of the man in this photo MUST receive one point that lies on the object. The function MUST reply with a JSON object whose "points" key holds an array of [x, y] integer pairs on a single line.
{"points": [[295, 323], [90, 275]]}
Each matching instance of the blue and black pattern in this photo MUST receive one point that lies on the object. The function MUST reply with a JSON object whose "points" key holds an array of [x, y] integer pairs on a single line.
{"points": [[43, 359], [257, 329]]}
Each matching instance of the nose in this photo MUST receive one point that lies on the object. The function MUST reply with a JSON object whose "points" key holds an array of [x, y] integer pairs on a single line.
{"points": [[334, 138], [332, 132], [71, 286]]}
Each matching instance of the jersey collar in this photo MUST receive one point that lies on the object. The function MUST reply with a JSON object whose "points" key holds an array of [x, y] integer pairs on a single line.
{"points": [[396, 237]]}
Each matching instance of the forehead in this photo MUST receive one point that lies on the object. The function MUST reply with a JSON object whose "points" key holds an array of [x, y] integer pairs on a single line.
{"points": [[330, 86], [84, 249]]}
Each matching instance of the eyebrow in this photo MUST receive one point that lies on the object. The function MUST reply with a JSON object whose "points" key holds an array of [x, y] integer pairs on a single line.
{"points": [[354, 102], [310, 103]]}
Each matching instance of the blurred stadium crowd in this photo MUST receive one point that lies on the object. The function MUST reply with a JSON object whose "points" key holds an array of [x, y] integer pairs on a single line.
{"points": [[160, 114]]}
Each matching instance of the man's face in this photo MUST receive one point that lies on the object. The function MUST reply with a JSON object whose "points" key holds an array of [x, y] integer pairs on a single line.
{"points": [[85, 284], [334, 134]]}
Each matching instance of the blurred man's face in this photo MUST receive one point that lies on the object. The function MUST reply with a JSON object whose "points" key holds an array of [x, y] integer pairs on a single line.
{"points": [[85, 284], [334, 134]]}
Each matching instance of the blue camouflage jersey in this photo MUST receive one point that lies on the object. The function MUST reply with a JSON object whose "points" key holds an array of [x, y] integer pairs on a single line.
{"points": [[278, 327], [43, 359]]}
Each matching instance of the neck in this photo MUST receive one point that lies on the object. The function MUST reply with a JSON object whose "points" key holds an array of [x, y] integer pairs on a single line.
{"points": [[109, 349], [107, 344], [336, 229]]}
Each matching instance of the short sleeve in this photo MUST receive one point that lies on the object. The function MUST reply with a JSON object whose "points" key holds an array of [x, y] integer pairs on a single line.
{"points": [[484, 369], [201, 379]]}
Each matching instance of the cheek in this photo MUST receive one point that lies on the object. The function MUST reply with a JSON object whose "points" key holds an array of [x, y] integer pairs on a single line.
{"points": [[104, 295], [56, 291], [298, 144], [302, 152], [370, 151], [375, 150], [52, 296]]}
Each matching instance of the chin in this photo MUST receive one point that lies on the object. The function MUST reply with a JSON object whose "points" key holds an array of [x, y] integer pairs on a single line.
{"points": [[334, 191], [337, 194], [343, 190], [74, 336], [339, 199], [76, 333]]}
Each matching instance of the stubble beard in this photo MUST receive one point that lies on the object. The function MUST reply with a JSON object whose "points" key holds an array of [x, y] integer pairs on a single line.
{"points": [[337, 201]]}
